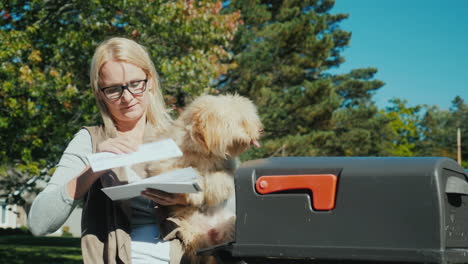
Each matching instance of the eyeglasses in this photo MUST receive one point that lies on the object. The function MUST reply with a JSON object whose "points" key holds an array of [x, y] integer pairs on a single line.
{"points": [[115, 92]]}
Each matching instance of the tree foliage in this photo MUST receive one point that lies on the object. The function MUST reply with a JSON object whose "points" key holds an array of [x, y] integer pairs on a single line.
{"points": [[281, 54], [45, 50], [439, 131], [285, 51], [405, 127], [427, 130]]}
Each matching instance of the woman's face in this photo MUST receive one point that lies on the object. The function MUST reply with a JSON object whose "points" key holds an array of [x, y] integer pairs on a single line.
{"points": [[129, 107]]}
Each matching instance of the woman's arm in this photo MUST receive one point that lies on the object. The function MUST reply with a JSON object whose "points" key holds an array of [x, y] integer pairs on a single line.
{"points": [[55, 203], [71, 181]]}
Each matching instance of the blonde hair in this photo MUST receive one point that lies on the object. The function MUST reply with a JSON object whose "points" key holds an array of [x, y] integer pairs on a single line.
{"points": [[126, 50]]}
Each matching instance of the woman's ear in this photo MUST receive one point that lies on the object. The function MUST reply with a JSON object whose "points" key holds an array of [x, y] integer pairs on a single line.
{"points": [[150, 84]]}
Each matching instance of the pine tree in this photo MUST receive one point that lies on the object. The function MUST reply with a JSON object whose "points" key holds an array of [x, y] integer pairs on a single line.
{"points": [[284, 53]]}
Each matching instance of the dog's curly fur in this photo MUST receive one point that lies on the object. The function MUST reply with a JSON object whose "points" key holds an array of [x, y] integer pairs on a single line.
{"points": [[211, 132]]}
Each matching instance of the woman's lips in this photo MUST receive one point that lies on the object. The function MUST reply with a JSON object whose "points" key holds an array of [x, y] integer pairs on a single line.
{"points": [[129, 107]]}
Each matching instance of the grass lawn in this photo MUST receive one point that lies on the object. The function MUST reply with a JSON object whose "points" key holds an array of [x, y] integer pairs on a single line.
{"points": [[50, 250]]}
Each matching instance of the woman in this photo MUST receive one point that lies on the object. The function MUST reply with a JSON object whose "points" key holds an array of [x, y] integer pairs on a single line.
{"points": [[126, 88]]}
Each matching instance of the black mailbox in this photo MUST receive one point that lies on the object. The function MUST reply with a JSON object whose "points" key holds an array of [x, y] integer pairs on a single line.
{"points": [[303, 209]]}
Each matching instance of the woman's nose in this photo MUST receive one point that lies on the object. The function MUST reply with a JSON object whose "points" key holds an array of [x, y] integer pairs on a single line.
{"points": [[126, 95]]}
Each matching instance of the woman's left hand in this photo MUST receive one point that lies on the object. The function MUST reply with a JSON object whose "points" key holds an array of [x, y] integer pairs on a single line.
{"points": [[164, 198]]}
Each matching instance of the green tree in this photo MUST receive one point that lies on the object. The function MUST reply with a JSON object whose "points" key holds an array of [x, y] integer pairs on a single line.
{"points": [[405, 128], [45, 50], [439, 130], [460, 115], [435, 139], [285, 52]]}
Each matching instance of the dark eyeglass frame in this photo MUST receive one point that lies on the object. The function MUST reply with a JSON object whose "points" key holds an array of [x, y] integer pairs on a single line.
{"points": [[123, 87]]}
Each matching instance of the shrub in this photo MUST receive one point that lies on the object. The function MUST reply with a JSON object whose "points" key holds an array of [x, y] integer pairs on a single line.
{"points": [[66, 232], [15, 231]]}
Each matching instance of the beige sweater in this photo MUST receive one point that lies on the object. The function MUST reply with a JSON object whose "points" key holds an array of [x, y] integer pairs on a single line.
{"points": [[106, 223]]}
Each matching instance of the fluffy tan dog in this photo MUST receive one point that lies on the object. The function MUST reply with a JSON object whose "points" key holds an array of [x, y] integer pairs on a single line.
{"points": [[211, 132]]}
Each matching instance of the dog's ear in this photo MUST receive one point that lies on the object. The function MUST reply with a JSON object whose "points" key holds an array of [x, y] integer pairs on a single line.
{"points": [[198, 138], [211, 132]]}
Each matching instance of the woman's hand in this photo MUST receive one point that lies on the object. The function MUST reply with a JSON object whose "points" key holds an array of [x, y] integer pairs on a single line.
{"points": [[164, 198], [118, 145]]}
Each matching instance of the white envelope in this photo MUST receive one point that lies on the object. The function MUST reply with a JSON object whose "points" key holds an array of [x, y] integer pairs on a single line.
{"points": [[175, 181], [159, 150]]}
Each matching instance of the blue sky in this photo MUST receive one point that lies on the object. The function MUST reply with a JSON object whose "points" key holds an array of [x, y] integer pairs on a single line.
{"points": [[420, 47]]}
